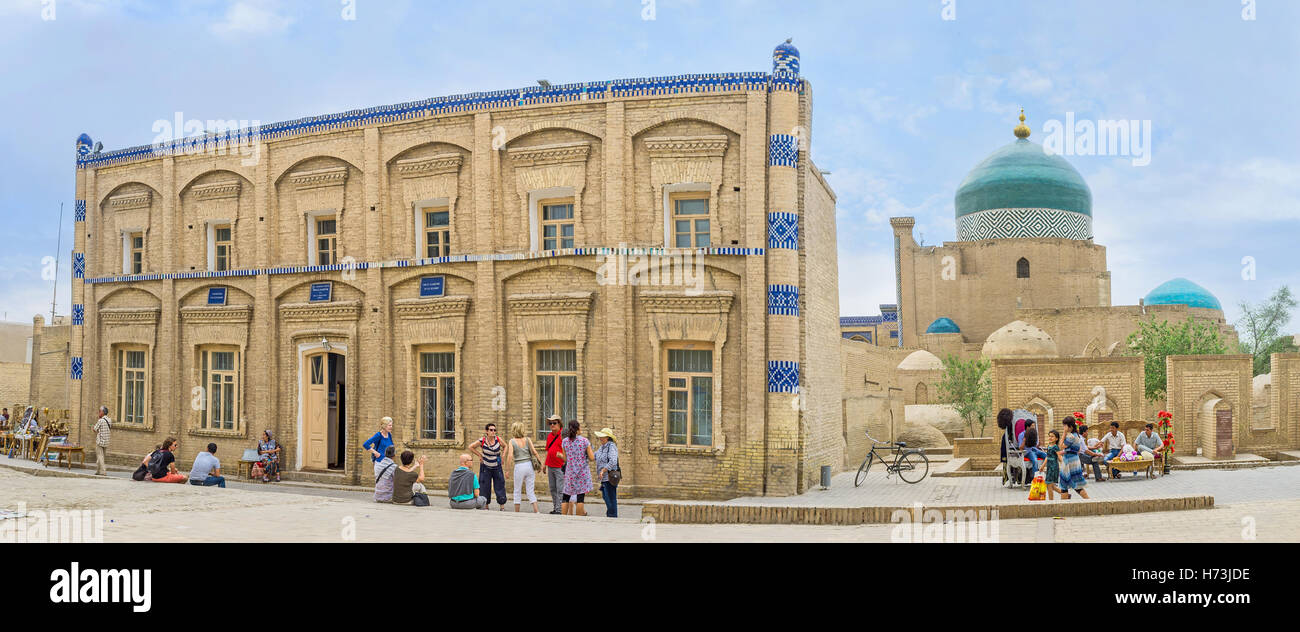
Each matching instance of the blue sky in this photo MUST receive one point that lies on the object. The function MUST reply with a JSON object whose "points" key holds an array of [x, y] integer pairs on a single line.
{"points": [[906, 103]]}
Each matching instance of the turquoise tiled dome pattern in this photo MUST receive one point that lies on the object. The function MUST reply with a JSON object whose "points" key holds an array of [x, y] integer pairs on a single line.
{"points": [[1020, 190], [1021, 223], [1182, 292], [943, 325]]}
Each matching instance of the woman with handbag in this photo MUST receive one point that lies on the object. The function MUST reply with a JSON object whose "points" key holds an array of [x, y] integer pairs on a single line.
{"points": [[522, 456], [610, 473]]}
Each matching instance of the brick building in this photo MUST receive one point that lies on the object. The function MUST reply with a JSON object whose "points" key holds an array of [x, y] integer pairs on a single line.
{"points": [[655, 255]]}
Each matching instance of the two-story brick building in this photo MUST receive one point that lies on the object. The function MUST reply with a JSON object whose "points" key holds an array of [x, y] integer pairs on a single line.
{"points": [[655, 255]]}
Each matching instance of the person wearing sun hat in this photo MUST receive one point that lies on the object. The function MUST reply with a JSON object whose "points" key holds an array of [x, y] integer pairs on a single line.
{"points": [[606, 462]]}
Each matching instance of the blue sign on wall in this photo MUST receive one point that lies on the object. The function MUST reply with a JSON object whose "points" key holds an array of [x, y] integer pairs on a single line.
{"points": [[216, 296], [431, 286], [321, 292]]}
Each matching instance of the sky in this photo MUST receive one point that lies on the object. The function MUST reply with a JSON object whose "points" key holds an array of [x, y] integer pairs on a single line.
{"points": [[909, 95]]}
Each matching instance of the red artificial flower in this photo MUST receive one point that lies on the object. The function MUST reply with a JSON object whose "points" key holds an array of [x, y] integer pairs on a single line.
{"points": [[1079, 415]]}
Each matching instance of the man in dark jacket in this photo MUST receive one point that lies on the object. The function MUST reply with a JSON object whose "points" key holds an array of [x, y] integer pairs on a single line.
{"points": [[462, 487]]}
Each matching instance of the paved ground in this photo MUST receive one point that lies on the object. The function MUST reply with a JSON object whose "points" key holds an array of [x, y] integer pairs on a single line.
{"points": [[1260, 505], [1227, 487]]}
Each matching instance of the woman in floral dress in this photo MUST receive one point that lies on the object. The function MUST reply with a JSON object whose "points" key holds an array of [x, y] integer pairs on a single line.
{"points": [[1071, 469], [577, 470]]}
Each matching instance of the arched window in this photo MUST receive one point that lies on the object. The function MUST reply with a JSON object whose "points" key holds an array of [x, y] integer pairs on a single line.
{"points": [[1022, 268]]}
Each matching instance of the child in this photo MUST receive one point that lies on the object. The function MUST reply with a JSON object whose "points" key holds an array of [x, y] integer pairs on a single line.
{"points": [[1053, 472]]}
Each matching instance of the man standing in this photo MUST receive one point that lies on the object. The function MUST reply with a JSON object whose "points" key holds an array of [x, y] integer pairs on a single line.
{"points": [[491, 473], [555, 463], [207, 469], [462, 487], [101, 429]]}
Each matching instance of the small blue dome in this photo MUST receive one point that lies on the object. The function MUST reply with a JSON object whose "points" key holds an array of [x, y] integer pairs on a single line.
{"points": [[1022, 174], [785, 58], [1182, 292], [84, 144], [943, 325]]}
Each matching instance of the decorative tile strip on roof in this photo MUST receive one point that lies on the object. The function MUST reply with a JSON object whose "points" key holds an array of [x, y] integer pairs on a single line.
{"points": [[406, 263], [861, 320], [473, 102]]}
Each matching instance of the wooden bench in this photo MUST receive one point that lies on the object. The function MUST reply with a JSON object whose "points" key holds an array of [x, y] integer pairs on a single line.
{"points": [[66, 449], [1139, 465]]}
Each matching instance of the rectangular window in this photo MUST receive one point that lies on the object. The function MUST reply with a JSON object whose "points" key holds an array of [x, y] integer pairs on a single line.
{"points": [[221, 244], [437, 372], [132, 398], [219, 370], [688, 396], [327, 241], [137, 253], [557, 387], [437, 233], [557, 224], [690, 220]]}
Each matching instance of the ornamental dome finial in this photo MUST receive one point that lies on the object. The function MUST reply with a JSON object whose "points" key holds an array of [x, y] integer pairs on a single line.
{"points": [[1022, 130]]}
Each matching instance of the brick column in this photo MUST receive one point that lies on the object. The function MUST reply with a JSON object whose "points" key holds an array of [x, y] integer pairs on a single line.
{"points": [[783, 370]]}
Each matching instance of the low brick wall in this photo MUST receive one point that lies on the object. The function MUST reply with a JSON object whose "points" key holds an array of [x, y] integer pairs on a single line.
{"points": [[682, 513], [983, 452]]}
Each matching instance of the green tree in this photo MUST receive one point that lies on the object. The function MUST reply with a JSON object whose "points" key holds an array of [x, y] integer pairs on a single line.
{"points": [[1155, 341], [967, 385], [1261, 327]]}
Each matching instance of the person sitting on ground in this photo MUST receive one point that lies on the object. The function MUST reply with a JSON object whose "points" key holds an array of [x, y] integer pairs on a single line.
{"points": [[162, 466], [1088, 454], [462, 486], [207, 469], [1114, 443], [1148, 442], [407, 477], [384, 476]]}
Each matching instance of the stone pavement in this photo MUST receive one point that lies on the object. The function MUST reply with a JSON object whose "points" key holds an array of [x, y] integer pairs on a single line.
{"points": [[1227, 487]]}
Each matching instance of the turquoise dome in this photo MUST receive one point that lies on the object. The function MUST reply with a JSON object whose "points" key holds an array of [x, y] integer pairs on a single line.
{"points": [[1022, 175], [943, 326], [1182, 292]]}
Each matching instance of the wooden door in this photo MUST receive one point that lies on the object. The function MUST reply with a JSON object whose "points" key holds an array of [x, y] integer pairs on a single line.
{"points": [[1223, 434], [315, 418]]}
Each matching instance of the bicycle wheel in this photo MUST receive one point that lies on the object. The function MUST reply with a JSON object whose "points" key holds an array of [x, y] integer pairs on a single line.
{"points": [[913, 466], [862, 470]]}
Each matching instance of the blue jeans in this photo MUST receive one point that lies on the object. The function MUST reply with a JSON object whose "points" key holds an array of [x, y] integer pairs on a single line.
{"points": [[489, 478], [219, 481], [1110, 455], [1034, 455], [610, 494]]}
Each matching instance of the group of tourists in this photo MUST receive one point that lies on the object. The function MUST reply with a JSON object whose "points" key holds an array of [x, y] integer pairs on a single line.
{"points": [[1066, 452], [566, 459]]}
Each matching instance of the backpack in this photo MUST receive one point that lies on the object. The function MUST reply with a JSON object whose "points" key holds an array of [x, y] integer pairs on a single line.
{"points": [[156, 468]]}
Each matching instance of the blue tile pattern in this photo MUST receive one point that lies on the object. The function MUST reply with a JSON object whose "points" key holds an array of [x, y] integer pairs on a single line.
{"points": [[76, 368], [785, 58], [783, 230], [783, 300], [78, 265], [79, 212], [864, 334], [78, 314], [783, 150], [474, 102], [782, 376], [505, 256]]}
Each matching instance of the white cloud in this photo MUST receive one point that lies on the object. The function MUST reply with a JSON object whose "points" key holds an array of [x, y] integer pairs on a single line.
{"points": [[252, 18]]}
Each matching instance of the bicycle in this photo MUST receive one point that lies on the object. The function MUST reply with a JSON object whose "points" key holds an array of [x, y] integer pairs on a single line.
{"points": [[906, 462]]}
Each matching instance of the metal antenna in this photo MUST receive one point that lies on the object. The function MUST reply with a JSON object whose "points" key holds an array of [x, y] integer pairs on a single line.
{"points": [[57, 248]]}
